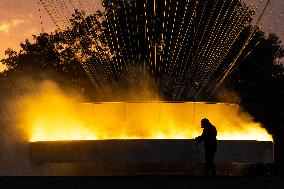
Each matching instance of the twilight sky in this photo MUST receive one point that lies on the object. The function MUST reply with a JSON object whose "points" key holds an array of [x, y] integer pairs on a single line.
{"points": [[20, 19]]}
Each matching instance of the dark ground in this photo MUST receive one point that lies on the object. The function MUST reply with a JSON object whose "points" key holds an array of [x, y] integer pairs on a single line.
{"points": [[143, 182]]}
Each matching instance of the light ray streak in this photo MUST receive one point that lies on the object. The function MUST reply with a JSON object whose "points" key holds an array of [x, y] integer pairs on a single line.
{"points": [[247, 54], [190, 58], [227, 49], [192, 66], [213, 59], [237, 30], [67, 37], [183, 68], [207, 50], [229, 69], [57, 13], [171, 42], [197, 53], [206, 74], [215, 44], [47, 10], [182, 46], [181, 35]]}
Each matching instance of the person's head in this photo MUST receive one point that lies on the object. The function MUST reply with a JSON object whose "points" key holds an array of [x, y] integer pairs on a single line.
{"points": [[205, 123]]}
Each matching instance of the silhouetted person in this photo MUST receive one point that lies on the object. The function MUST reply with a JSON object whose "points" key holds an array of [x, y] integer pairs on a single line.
{"points": [[210, 144]]}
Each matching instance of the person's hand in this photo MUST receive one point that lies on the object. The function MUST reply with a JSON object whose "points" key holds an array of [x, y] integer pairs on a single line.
{"points": [[197, 140]]}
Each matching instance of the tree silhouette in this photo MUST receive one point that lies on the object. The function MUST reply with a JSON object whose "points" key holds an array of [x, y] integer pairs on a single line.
{"points": [[99, 42], [49, 57], [96, 57]]}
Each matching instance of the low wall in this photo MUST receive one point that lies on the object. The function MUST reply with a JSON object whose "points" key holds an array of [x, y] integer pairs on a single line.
{"points": [[164, 150]]}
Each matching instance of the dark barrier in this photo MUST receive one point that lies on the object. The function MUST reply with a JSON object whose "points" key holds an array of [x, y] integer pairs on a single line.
{"points": [[174, 150], [127, 157]]}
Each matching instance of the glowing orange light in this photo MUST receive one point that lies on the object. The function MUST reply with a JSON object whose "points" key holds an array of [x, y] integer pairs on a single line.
{"points": [[50, 115]]}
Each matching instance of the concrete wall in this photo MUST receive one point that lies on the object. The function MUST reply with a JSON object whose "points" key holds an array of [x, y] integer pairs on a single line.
{"points": [[123, 151]]}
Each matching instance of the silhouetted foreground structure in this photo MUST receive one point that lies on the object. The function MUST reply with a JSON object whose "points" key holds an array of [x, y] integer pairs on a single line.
{"points": [[131, 157], [153, 42]]}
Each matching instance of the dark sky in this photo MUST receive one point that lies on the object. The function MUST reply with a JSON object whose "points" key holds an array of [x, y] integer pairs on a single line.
{"points": [[20, 19]]}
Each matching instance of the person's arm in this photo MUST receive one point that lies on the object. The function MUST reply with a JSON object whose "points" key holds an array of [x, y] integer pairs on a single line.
{"points": [[199, 138]]}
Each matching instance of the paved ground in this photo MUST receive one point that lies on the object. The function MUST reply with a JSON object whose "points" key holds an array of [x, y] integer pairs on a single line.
{"points": [[155, 169]]}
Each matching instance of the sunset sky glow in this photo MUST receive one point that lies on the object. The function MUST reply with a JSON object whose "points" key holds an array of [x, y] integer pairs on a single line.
{"points": [[20, 19]]}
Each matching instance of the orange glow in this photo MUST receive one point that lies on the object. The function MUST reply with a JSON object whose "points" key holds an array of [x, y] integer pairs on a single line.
{"points": [[50, 115]]}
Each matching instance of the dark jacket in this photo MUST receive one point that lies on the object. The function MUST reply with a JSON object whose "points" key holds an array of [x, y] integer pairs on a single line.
{"points": [[209, 137]]}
